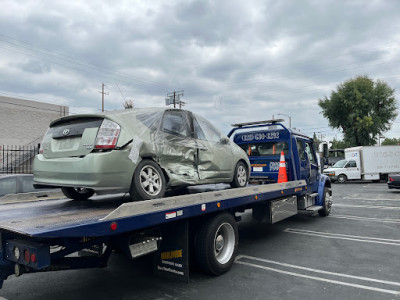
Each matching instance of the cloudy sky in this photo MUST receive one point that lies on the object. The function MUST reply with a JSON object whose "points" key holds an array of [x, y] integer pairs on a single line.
{"points": [[236, 61]]}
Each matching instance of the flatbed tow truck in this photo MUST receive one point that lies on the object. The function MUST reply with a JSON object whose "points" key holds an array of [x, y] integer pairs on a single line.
{"points": [[199, 227]]}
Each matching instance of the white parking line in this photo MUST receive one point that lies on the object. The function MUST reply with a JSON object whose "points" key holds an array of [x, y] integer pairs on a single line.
{"points": [[380, 220], [365, 287], [367, 206], [373, 199], [345, 237]]}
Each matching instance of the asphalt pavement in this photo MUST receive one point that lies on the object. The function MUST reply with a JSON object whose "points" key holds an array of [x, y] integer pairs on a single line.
{"points": [[352, 254]]}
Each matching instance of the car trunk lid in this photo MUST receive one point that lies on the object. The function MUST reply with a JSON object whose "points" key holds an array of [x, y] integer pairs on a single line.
{"points": [[71, 137]]}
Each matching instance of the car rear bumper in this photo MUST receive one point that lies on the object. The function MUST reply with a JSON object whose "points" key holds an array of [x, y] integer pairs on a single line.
{"points": [[394, 185], [96, 170]]}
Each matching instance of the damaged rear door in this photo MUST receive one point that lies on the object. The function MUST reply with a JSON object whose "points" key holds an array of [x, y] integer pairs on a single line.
{"points": [[215, 159]]}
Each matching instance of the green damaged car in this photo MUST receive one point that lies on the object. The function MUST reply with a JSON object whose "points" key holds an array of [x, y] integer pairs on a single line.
{"points": [[140, 151]]}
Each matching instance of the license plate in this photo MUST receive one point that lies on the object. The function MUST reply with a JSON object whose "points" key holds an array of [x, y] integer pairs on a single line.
{"points": [[68, 144]]}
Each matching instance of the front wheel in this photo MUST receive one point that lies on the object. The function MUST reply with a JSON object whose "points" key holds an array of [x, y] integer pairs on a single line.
{"points": [[240, 177], [148, 181], [77, 193], [327, 203], [341, 178], [216, 244]]}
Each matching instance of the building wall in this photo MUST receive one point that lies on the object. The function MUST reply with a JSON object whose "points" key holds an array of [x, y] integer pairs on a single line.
{"points": [[24, 122]]}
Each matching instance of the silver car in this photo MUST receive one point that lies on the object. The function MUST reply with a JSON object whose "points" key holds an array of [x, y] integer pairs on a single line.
{"points": [[140, 151]]}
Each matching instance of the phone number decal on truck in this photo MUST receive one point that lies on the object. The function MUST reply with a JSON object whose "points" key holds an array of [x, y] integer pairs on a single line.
{"points": [[260, 136]]}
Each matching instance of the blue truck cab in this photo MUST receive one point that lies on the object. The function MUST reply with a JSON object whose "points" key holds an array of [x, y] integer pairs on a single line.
{"points": [[264, 141]]}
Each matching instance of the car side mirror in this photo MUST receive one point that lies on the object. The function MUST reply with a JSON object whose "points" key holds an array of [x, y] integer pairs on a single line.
{"points": [[224, 140]]}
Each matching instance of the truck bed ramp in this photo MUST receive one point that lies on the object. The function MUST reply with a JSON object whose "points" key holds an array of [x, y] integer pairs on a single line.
{"points": [[69, 218]]}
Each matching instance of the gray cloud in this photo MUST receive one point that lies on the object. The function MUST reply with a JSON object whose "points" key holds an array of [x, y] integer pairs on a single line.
{"points": [[237, 61]]}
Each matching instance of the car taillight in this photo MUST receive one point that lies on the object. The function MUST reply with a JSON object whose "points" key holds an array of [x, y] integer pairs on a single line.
{"points": [[41, 144], [391, 179], [107, 136]]}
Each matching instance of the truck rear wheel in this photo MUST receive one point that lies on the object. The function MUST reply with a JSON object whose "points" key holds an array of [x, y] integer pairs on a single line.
{"points": [[216, 244], [77, 193], [327, 203]]}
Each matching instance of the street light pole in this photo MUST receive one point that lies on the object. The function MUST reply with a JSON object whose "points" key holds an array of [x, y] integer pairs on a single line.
{"points": [[290, 119]]}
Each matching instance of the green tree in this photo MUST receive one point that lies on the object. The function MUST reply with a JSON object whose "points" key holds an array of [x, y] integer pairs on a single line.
{"points": [[361, 108], [337, 144], [389, 141]]}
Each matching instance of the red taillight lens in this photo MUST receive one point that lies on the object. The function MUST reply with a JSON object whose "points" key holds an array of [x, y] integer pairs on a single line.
{"points": [[33, 258], [41, 144], [107, 136], [113, 226], [27, 256], [391, 179]]}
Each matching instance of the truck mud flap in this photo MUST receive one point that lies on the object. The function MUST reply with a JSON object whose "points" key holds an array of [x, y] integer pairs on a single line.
{"points": [[172, 258]]}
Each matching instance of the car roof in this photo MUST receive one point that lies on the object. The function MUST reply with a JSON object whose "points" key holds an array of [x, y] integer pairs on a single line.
{"points": [[117, 112]]}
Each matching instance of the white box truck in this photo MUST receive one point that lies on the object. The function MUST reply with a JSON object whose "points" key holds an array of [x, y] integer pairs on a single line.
{"points": [[366, 163]]}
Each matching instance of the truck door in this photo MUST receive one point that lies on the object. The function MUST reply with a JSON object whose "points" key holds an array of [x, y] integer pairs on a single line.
{"points": [[304, 170], [308, 162], [312, 161], [353, 170]]}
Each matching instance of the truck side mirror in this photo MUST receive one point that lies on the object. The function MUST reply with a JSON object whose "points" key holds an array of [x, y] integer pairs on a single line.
{"points": [[325, 150]]}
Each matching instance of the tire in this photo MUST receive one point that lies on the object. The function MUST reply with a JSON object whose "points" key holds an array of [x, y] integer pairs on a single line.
{"points": [[78, 194], [327, 203], [341, 178], [216, 244], [241, 176], [148, 181]]}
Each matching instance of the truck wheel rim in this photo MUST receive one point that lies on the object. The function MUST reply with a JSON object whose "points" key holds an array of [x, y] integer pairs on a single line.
{"points": [[150, 180], [328, 201], [242, 175], [224, 243]]}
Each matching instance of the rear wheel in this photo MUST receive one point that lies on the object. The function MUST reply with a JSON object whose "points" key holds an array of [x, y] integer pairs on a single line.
{"points": [[148, 181], [77, 193], [216, 244], [240, 177]]}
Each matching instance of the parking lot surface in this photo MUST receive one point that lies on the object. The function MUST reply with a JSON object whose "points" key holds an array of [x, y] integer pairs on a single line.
{"points": [[352, 254]]}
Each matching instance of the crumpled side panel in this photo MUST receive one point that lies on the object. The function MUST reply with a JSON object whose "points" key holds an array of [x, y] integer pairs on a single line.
{"points": [[185, 145]]}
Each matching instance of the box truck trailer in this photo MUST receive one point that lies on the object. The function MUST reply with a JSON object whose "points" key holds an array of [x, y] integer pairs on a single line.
{"points": [[366, 163]]}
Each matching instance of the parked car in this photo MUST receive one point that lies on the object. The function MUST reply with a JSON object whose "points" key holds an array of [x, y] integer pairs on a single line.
{"points": [[394, 181], [141, 151], [16, 183]]}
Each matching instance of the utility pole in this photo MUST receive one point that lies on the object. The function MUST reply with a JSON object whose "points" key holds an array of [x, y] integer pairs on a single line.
{"points": [[175, 98], [102, 96]]}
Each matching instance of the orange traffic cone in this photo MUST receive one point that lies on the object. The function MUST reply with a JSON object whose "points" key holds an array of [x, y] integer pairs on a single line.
{"points": [[282, 176]]}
